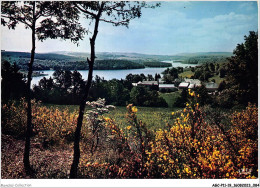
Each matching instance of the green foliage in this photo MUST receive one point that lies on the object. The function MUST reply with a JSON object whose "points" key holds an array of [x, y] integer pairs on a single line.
{"points": [[156, 64], [114, 91], [47, 61], [207, 59], [65, 87], [65, 26], [242, 74], [204, 98], [222, 72], [12, 83], [202, 73], [170, 74], [182, 99], [154, 118], [116, 64], [135, 78], [171, 98], [141, 96]]}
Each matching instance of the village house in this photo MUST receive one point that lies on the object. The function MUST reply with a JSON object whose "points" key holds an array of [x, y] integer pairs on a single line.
{"points": [[160, 81], [194, 82], [184, 85], [148, 83], [191, 86], [187, 84]]}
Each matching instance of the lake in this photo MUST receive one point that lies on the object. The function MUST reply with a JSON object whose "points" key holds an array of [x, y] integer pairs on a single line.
{"points": [[115, 74]]}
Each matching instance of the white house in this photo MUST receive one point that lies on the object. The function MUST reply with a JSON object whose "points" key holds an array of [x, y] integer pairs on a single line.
{"points": [[184, 85]]}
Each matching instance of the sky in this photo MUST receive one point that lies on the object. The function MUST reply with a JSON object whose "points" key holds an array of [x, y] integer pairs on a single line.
{"points": [[175, 27]]}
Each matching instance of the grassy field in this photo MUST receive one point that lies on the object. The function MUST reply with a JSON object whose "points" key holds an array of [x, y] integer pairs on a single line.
{"points": [[217, 79], [189, 73], [186, 74], [170, 98], [155, 118]]}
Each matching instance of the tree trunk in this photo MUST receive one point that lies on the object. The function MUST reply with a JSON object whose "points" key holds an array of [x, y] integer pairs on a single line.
{"points": [[26, 160], [76, 156]]}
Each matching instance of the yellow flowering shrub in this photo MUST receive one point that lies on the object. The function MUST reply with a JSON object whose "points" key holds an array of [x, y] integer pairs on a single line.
{"points": [[50, 125], [191, 148], [54, 126], [13, 118]]}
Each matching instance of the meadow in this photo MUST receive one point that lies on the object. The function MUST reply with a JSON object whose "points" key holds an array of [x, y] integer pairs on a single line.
{"points": [[155, 118]]}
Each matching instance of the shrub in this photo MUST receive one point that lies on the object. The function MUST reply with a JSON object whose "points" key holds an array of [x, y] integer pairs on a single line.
{"points": [[13, 118]]}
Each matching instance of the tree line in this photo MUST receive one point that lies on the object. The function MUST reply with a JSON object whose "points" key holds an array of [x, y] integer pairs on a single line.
{"points": [[52, 61], [206, 59], [67, 87]]}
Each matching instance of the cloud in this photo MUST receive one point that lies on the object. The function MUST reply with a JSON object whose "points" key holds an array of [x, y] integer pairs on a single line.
{"points": [[248, 6], [169, 29]]}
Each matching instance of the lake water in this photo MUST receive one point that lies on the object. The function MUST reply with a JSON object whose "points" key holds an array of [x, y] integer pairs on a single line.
{"points": [[117, 74]]}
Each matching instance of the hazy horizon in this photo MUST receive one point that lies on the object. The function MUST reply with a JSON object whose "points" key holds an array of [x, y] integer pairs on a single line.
{"points": [[173, 28], [116, 52]]}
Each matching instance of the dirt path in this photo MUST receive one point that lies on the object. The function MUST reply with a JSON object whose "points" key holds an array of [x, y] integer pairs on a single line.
{"points": [[48, 163]]}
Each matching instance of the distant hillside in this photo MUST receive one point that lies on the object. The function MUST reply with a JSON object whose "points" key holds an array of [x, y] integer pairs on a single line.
{"points": [[147, 57], [42, 56], [75, 61], [118, 60], [225, 54], [211, 57], [121, 55]]}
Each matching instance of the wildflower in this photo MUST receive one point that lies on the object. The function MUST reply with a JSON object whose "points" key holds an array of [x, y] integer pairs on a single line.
{"points": [[106, 118], [172, 113], [129, 127], [134, 109], [187, 170], [171, 161]]}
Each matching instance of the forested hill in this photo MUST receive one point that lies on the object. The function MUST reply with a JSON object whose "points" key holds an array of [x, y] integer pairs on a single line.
{"points": [[47, 61], [108, 61]]}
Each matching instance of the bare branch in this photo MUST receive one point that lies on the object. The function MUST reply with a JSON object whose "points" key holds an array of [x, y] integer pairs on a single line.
{"points": [[85, 11], [115, 23]]}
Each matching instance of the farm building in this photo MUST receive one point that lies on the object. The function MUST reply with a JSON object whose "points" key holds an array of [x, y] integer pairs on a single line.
{"points": [[184, 85], [160, 81], [191, 86], [148, 83], [167, 87], [195, 82]]}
